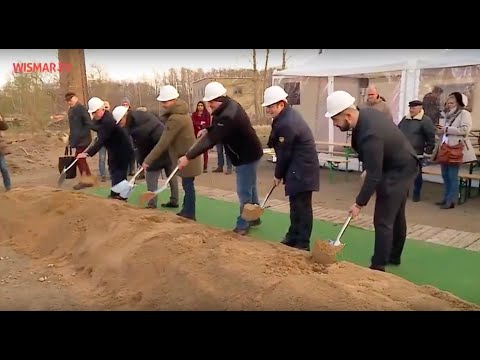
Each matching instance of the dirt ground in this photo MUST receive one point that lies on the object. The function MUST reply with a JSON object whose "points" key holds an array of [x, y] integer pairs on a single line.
{"points": [[59, 246], [73, 258]]}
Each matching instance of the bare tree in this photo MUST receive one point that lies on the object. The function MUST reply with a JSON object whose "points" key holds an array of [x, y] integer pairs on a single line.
{"points": [[284, 59]]}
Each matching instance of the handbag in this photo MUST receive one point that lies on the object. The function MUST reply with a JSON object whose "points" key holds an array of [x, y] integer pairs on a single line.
{"points": [[450, 155], [65, 161]]}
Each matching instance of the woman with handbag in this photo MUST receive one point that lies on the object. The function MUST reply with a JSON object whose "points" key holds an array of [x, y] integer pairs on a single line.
{"points": [[453, 148]]}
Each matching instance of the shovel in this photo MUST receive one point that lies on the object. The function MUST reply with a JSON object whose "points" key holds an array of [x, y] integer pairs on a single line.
{"points": [[252, 212], [63, 175], [326, 252], [149, 195], [124, 187]]}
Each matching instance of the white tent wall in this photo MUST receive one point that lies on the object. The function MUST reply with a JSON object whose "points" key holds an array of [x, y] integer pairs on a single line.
{"points": [[465, 79], [312, 96]]}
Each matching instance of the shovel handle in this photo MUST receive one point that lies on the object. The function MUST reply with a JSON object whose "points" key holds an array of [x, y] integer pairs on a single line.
{"points": [[132, 180], [268, 195], [168, 180], [88, 147], [342, 230], [69, 166]]}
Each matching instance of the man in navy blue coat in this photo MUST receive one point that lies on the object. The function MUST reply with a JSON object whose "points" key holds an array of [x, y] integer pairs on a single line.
{"points": [[297, 164]]}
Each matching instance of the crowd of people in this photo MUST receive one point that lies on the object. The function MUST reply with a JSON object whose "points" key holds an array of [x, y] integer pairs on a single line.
{"points": [[176, 141]]}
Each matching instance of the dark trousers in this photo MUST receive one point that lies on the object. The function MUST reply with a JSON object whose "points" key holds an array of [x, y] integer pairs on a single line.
{"points": [[390, 224], [188, 208], [301, 219], [118, 174]]}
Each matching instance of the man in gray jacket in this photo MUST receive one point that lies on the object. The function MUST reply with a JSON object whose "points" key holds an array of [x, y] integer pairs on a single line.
{"points": [[419, 130]]}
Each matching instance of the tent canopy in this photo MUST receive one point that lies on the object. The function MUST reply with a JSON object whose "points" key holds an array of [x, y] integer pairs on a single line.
{"points": [[342, 62]]}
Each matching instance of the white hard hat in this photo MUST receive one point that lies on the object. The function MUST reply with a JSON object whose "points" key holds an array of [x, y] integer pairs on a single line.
{"points": [[337, 102], [94, 104], [168, 92], [119, 112], [214, 90], [273, 94]]}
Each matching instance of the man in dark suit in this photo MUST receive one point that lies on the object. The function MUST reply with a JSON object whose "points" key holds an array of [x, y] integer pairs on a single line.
{"points": [[390, 163], [297, 164]]}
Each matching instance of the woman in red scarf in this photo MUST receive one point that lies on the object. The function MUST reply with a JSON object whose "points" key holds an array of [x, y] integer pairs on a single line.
{"points": [[201, 120]]}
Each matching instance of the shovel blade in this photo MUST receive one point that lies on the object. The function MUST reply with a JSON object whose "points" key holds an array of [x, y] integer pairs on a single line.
{"points": [[62, 178], [121, 186], [149, 195], [252, 212], [325, 253]]}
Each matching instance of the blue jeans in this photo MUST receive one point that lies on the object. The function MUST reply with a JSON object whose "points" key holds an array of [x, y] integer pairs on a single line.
{"points": [[221, 154], [5, 174], [246, 189], [102, 157], [450, 183], [188, 208]]}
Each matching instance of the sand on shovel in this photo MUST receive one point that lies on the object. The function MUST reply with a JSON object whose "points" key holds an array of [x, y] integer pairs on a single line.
{"points": [[324, 253], [251, 212]]}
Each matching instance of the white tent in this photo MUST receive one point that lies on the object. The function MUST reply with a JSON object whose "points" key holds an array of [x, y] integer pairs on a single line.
{"points": [[357, 63]]}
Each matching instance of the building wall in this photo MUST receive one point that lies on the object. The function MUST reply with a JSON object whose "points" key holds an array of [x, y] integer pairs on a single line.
{"points": [[239, 89]]}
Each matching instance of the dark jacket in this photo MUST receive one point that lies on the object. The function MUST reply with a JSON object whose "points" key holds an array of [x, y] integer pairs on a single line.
{"points": [[297, 159], [115, 140], [232, 127], [80, 124], [387, 156], [146, 129], [420, 132]]}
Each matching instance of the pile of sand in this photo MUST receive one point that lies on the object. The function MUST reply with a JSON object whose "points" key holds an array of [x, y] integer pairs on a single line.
{"points": [[142, 259]]}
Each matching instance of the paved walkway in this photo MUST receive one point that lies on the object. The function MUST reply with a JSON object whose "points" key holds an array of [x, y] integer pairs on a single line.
{"points": [[437, 235]]}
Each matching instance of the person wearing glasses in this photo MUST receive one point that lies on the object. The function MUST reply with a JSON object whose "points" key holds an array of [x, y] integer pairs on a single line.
{"points": [[114, 139]]}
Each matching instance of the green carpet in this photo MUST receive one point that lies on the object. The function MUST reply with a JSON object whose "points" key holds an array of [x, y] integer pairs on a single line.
{"points": [[450, 269]]}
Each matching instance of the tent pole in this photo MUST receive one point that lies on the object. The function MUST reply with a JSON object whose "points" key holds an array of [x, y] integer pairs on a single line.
{"points": [[403, 96], [331, 133]]}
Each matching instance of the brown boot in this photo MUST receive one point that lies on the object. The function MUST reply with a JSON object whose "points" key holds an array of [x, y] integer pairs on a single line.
{"points": [[218, 170]]}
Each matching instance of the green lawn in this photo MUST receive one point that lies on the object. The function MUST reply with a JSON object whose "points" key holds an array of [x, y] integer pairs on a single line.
{"points": [[447, 268]]}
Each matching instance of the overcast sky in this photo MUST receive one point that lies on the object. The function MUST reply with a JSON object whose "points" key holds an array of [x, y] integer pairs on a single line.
{"points": [[134, 64]]}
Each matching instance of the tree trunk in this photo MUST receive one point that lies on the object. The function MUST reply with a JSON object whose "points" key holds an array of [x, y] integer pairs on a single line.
{"points": [[76, 79]]}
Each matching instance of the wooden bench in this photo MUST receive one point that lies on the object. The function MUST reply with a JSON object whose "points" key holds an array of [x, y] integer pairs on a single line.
{"points": [[464, 182]]}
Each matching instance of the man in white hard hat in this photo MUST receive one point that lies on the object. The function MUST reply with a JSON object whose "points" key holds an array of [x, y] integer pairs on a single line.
{"points": [[177, 138], [390, 163], [146, 130], [232, 127], [297, 164], [115, 140]]}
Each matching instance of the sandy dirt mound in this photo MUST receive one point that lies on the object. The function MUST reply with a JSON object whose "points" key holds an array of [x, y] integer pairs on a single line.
{"points": [[31, 152], [138, 259]]}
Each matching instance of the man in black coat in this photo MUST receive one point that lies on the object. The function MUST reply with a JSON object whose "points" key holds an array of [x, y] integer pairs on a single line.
{"points": [[146, 129], [80, 136], [419, 130], [390, 163], [232, 127], [297, 164], [115, 140]]}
